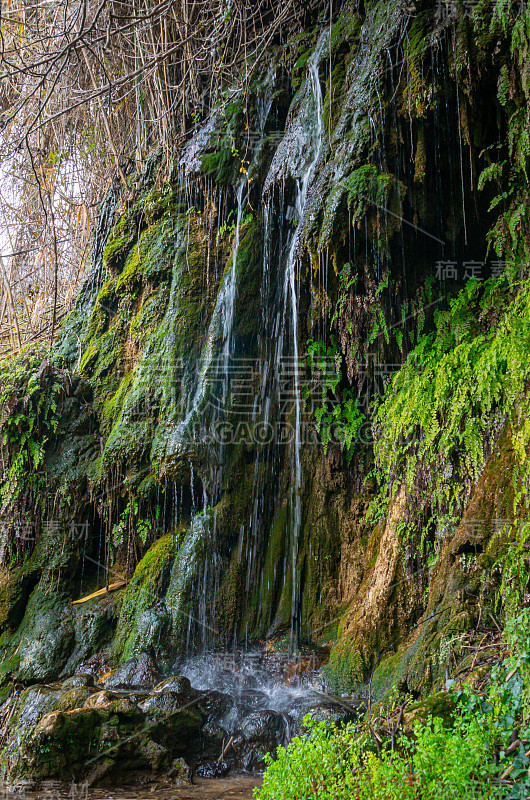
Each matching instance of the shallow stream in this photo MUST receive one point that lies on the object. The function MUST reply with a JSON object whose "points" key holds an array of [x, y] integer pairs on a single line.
{"points": [[238, 787]]}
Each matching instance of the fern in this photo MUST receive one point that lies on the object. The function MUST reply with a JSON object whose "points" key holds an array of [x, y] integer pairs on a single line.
{"points": [[438, 421], [29, 403], [337, 419]]}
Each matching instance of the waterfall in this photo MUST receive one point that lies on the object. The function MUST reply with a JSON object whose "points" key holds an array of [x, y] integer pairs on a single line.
{"points": [[231, 291], [290, 312], [296, 156], [290, 281], [221, 324]]}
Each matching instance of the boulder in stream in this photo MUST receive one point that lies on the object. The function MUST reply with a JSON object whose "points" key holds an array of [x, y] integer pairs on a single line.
{"points": [[259, 733]]}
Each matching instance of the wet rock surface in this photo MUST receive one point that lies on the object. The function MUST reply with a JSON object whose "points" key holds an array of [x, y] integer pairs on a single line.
{"points": [[259, 733], [224, 715], [140, 671]]}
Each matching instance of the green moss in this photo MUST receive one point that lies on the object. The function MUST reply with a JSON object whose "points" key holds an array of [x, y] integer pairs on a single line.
{"points": [[9, 668], [113, 406], [149, 316], [143, 592], [61, 739], [101, 357], [147, 487], [332, 106], [275, 598], [224, 164], [5, 692], [220, 166], [343, 40], [420, 159], [419, 94], [249, 277], [386, 676], [228, 607], [128, 443], [439, 704], [346, 667], [15, 587], [365, 191], [160, 202], [151, 257], [115, 249], [346, 30], [299, 69], [132, 272], [128, 340]]}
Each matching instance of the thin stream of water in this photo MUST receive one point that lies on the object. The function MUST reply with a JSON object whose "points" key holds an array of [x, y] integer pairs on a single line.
{"points": [[223, 315], [290, 291]]}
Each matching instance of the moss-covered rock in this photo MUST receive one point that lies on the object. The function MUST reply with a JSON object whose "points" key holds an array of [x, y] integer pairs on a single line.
{"points": [[438, 704], [144, 622]]}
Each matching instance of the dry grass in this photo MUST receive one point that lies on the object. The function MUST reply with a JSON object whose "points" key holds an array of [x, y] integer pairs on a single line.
{"points": [[87, 88]]}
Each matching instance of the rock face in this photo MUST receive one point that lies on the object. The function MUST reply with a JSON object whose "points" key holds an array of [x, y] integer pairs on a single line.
{"points": [[202, 431]]}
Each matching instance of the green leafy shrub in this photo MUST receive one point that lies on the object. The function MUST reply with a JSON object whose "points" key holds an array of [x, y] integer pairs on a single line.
{"points": [[477, 751], [316, 765], [437, 763]]}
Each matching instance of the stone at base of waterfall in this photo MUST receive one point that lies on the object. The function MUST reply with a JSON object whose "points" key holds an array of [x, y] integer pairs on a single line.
{"points": [[439, 704], [75, 697], [84, 680], [139, 671], [177, 684], [179, 773], [215, 735], [134, 731], [251, 700], [216, 705], [46, 652], [105, 737], [323, 710], [259, 733], [212, 769], [124, 746]]}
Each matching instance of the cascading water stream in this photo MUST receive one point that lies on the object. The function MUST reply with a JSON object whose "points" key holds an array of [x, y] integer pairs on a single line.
{"points": [[297, 156], [231, 293], [222, 317], [290, 296]]}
